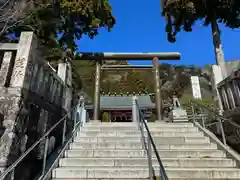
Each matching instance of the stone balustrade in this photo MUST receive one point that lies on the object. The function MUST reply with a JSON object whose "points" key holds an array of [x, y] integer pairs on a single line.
{"points": [[33, 97], [229, 92]]}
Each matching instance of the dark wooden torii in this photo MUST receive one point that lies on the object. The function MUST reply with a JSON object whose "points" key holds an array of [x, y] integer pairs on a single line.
{"points": [[103, 56]]}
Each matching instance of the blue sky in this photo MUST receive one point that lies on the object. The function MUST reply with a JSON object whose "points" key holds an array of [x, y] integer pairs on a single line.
{"points": [[140, 28]]}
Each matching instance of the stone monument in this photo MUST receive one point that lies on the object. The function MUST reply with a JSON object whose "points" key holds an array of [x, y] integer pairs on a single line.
{"points": [[178, 114]]}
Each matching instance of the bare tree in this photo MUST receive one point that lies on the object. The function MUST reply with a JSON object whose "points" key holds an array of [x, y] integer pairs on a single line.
{"points": [[13, 13]]}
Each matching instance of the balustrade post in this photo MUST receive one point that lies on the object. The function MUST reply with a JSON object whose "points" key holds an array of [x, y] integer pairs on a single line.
{"points": [[203, 120], [193, 112], [230, 96], [82, 112], [64, 130], [12, 174], [225, 98], [134, 109], [76, 115], [45, 156], [222, 132], [65, 73], [217, 78], [236, 92]]}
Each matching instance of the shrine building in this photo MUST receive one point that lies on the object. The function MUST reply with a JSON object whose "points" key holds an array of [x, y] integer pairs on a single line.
{"points": [[118, 108]]}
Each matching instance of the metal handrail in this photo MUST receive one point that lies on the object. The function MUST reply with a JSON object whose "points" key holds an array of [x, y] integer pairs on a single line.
{"points": [[149, 145], [60, 154], [63, 120], [219, 119]]}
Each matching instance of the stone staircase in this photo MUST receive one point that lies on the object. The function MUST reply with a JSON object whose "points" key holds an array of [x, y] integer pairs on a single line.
{"points": [[114, 151]]}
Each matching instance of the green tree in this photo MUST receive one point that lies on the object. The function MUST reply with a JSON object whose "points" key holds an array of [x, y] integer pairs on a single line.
{"points": [[48, 19], [182, 14]]}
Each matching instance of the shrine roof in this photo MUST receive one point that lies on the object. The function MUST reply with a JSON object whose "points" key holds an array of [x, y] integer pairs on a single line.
{"points": [[119, 102]]}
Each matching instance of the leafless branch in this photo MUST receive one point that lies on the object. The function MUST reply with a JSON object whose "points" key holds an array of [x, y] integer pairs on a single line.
{"points": [[12, 13]]}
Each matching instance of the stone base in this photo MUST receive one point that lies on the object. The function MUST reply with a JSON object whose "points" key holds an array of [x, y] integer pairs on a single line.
{"points": [[95, 121], [179, 115], [180, 120]]}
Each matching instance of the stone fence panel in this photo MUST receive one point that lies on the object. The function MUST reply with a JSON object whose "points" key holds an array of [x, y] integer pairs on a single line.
{"points": [[31, 100]]}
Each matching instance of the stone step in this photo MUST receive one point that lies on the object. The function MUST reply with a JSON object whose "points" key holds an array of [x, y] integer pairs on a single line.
{"points": [[77, 145], [157, 140], [141, 153], [157, 178], [91, 123], [123, 130], [176, 125], [142, 162], [138, 134], [134, 124], [98, 179], [131, 172]]}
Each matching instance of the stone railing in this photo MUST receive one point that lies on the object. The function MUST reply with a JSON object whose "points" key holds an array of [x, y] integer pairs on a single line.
{"points": [[229, 92], [33, 97]]}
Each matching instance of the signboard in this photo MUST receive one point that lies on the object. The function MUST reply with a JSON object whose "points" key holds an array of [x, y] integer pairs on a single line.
{"points": [[196, 87]]}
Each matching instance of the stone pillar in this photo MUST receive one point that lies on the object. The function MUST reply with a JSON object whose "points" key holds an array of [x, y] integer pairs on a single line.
{"points": [[11, 104], [65, 73], [134, 109], [217, 78], [23, 66], [96, 107], [5, 69], [84, 115], [41, 129], [82, 111], [158, 98]]}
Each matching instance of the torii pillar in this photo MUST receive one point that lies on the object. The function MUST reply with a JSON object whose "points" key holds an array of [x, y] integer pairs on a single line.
{"points": [[102, 56]]}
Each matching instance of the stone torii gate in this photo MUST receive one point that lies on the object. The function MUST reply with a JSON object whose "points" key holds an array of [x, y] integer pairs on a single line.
{"points": [[103, 56]]}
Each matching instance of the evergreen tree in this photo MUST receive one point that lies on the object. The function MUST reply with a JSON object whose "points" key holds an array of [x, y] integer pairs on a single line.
{"points": [[182, 14], [48, 19]]}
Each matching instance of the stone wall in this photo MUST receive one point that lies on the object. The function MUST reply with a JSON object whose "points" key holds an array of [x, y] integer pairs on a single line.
{"points": [[33, 97]]}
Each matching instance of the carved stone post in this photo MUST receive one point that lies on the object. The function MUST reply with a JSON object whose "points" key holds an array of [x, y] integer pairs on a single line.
{"points": [[23, 67], [10, 107]]}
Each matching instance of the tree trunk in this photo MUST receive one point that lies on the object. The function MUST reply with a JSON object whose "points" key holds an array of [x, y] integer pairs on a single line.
{"points": [[218, 47], [220, 62]]}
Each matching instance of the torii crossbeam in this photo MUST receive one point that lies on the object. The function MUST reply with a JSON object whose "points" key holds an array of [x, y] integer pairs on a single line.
{"points": [[103, 56]]}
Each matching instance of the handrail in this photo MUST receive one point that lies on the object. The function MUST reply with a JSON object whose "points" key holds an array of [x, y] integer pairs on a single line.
{"points": [[219, 119], [149, 145], [78, 125], [63, 120]]}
